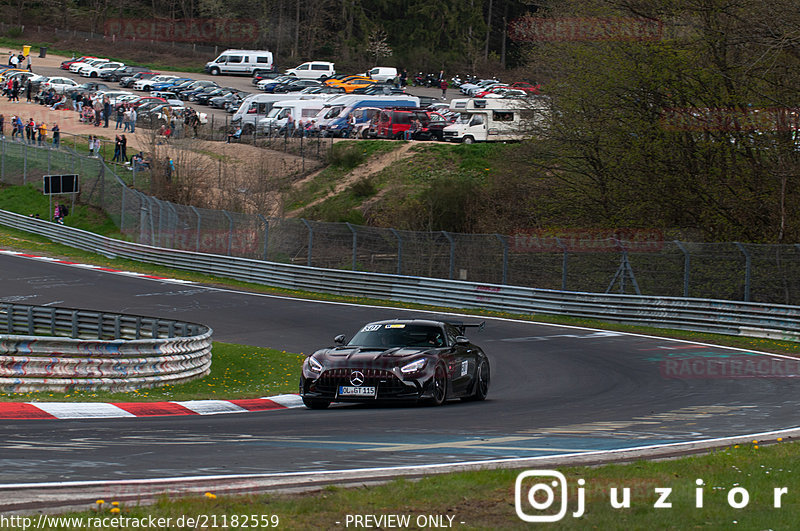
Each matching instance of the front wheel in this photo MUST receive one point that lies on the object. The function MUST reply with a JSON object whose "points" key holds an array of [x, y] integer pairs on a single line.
{"points": [[315, 403], [214, 71], [469, 140], [439, 387]]}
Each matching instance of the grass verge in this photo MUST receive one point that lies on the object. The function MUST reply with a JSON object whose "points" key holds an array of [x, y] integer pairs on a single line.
{"points": [[237, 371], [485, 499]]}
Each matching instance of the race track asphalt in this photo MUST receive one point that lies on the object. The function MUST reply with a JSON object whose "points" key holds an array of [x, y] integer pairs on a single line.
{"points": [[554, 390]]}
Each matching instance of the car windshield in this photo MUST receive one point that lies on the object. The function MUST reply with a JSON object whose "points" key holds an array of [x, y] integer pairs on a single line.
{"points": [[391, 335]]}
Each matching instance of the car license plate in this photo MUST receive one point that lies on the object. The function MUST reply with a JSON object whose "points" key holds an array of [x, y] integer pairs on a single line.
{"points": [[345, 390]]}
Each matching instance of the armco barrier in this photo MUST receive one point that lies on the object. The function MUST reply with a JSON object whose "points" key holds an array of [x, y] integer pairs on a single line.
{"points": [[62, 349], [705, 315]]}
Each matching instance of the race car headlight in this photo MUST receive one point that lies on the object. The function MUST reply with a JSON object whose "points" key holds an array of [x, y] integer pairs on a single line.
{"points": [[414, 366], [314, 365]]}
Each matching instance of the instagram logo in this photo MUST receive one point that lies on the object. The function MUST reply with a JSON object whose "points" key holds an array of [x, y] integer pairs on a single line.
{"points": [[537, 493]]}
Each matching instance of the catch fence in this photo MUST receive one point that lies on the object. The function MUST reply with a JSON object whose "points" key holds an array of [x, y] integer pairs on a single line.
{"points": [[730, 271]]}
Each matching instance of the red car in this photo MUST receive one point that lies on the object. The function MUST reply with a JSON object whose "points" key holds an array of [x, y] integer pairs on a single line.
{"points": [[530, 88], [66, 64], [145, 99], [393, 124]]}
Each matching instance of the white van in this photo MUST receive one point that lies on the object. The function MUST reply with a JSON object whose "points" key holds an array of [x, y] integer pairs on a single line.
{"points": [[257, 106], [383, 74], [492, 120], [300, 111], [248, 62], [312, 70]]}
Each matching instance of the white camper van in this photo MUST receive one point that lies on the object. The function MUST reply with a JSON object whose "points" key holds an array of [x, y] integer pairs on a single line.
{"points": [[248, 62], [258, 106], [492, 120], [300, 111]]}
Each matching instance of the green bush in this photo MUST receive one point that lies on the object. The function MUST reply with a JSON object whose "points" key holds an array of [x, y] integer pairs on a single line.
{"points": [[346, 155]]}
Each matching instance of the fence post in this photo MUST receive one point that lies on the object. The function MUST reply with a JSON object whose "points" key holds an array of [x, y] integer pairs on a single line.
{"points": [[687, 266], [399, 251], [452, 254], [310, 239], [197, 236], [160, 219], [48, 159], [748, 262], [230, 230], [504, 243], [25, 164], [564, 262], [355, 243], [266, 234], [3, 163], [122, 211]]}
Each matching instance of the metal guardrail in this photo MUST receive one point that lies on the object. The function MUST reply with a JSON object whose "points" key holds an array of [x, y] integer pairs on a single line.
{"points": [[63, 349], [705, 315]]}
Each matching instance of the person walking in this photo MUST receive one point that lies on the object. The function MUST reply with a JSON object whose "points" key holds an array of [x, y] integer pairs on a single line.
{"points": [[30, 127]]}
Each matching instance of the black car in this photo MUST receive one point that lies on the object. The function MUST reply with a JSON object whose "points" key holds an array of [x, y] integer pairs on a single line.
{"points": [[117, 74], [89, 88], [296, 86], [193, 88], [129, 81], [379, 88], [398, 360]]}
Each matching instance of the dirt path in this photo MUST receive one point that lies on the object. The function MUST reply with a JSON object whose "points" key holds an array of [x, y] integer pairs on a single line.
{"points": [[373, 165]]}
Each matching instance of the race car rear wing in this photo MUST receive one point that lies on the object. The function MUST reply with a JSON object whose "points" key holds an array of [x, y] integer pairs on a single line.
{"points": [[462, 326]]}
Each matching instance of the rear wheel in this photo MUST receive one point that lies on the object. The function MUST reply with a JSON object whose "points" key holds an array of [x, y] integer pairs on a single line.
{"points": [[482, 378], [439, 386], [316, 403]]}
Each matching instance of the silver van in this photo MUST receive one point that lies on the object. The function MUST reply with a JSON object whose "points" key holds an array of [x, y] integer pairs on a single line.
{"points": [[246, 62]]}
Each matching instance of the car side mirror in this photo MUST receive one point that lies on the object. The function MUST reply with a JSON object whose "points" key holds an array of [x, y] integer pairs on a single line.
{"points": [[339, 340], [461, 340]]}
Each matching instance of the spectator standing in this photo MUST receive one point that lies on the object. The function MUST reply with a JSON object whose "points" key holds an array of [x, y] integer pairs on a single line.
{"points": [[106, 110], [56, 136], [117, 149], [443, 86], [28, 91], [15, 91], [126, 121], [119, 115], [124, 148], [170, 169], [30, 127], [98, 112], [30, 67], [42, 133], [13, 60], [133, 120]]}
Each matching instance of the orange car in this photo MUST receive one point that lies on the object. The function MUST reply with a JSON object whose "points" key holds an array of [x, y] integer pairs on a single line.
{"points": [[350, 86], [344, 80]]}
